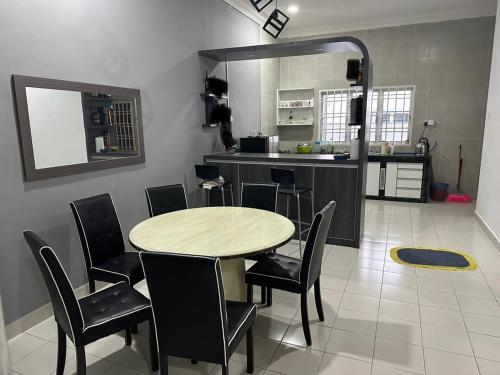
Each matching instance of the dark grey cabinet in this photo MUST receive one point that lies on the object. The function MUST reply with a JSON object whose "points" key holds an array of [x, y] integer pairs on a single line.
{"points": [[339, 185], [337, 182], [255, 172], [304, 176]]}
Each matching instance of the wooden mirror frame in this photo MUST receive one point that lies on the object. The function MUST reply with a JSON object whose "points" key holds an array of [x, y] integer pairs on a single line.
{"points": [[20, 83]]}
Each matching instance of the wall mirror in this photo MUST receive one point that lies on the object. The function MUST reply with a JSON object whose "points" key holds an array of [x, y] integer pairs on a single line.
{"points": [[72, 127]]}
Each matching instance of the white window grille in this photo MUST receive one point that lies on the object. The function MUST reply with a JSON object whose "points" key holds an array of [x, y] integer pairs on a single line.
{"points": [[391, 114]]}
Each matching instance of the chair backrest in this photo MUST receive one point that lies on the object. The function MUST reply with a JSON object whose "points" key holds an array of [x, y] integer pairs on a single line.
{"points": [[207, 172], [188, 303], [99, 228], [315, 244], [283, 176], [64, 302], [260, 196], [164, 199]]}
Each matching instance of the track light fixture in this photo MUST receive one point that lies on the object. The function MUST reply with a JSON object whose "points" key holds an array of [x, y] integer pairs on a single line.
{"points": [[260, 4], [276, 23]]}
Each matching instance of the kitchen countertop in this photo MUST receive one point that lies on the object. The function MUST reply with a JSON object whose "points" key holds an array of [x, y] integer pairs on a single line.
{"points": [[277, 157], [408, 158]]}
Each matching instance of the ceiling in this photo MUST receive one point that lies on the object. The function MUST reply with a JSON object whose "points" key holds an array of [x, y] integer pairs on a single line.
{"points": [[327, 16]]}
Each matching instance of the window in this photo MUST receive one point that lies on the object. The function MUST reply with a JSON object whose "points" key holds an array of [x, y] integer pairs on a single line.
{"points": [[392, 110]]}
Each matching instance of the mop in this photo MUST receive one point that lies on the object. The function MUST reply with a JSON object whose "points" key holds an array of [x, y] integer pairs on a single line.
{"points": [[461, 198]]}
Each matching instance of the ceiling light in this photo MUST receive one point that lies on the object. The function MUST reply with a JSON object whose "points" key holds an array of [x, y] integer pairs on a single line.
{"points": [[293, 9]]}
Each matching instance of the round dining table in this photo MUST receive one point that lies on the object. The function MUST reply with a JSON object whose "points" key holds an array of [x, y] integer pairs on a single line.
{"points": [[229, 233]]}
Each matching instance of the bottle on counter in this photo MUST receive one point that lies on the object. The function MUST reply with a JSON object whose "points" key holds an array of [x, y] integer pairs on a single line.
{"points": [[317, 147]]}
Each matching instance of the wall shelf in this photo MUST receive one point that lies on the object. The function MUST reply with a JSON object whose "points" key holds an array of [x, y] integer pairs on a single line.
{"points": [[298, 107], [300, 100]]}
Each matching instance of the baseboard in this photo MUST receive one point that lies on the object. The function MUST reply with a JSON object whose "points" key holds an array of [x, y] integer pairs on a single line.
{"points": [[37, 316], [492, 236]]}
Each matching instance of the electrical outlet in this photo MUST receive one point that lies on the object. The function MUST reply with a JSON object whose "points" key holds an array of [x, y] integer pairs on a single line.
{"points": [[429, 123]]}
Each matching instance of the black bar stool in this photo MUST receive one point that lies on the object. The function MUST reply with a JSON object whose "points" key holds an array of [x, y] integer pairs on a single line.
{"points": [[211, 174], [285, 178]]}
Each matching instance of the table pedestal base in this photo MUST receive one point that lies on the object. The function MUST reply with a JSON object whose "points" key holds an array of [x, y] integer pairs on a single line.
{"points": [[233, 276]]}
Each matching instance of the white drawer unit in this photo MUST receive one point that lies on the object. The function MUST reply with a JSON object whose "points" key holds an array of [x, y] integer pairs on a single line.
{"points": [[411, 166], [410, 173], [396, 180], [409, 183], [408, 193]]}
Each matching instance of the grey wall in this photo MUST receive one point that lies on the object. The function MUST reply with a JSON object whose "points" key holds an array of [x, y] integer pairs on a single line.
{"points": [[448, 62], [149, 45]]}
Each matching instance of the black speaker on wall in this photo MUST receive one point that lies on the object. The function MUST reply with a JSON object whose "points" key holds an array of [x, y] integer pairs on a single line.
{"points": [[353, 69], [356, 111]]}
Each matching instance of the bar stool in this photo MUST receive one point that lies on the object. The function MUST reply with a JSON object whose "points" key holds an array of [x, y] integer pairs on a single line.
{"points": [[211, 174], [285, 178]]}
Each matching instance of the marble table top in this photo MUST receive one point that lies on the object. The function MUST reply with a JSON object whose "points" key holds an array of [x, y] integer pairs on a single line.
{"points": [[225, 232]]}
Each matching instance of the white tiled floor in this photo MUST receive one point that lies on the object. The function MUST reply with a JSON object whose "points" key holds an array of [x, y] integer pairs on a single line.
{"points": [[381, 318]]}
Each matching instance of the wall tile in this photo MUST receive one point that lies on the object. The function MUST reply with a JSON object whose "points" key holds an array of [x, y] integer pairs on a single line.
{"points": [[448, 62]]}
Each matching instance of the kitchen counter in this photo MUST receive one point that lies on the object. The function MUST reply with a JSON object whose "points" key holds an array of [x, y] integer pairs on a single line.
{"points": [[328, 178], [401, 158], [280, 158]]}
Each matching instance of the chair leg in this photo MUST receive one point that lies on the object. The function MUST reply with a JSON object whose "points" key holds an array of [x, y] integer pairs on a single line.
{"points": [[225, 370], [153, 347], [81, 366], [317, 298], [128, 337], [223, 196], [61, 350], [163, 364], [250, 350], [300, 226], [305, 318], [312, 207], [91, 285], [269, 298], [249, 293]]}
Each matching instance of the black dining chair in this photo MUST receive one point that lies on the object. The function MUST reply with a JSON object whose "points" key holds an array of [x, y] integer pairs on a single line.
{"points": [[211, 173], [262, 197], [102, 242], [88, 319], [296, 275], [193, 319], [288, 188], [164, 199]]}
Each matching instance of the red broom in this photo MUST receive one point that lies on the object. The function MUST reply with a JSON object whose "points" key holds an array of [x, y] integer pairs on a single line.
{"points": [[460, 198]]}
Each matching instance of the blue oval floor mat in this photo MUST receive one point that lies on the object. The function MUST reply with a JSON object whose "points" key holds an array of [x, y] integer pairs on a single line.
{"points": [[433, 258]]}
